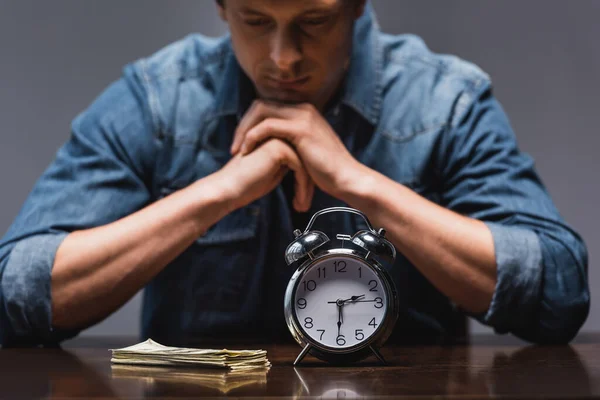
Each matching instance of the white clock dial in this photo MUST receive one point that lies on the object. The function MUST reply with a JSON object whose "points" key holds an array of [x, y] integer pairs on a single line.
{"points": [[340, 302]]}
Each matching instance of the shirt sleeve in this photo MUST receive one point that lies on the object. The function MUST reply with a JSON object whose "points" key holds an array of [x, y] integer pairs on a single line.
{"points": [[101, 174], [542, 292]]}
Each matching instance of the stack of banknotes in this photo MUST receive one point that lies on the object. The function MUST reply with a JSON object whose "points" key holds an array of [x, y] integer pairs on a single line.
{"points": [[153, 353]]}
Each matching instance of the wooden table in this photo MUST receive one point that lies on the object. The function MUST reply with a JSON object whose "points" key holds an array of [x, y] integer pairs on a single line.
{"points": [[491, 366]]}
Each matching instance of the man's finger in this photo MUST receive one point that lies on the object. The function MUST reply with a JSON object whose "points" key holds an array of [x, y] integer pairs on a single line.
{"points": [[268, 129], [303, 183], [258, 112], [303, 204], [304, 186], [246, 122]]}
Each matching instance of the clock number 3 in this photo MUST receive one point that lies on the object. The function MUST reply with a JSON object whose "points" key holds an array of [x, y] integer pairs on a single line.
{"points": [[378, 302]]}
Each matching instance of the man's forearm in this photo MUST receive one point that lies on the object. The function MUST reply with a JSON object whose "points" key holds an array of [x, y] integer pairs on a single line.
{"points": [[97, 270], [455, 253]]}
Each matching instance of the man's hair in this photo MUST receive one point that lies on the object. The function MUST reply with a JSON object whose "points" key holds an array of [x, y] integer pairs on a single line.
{"points": [[222, 2]]}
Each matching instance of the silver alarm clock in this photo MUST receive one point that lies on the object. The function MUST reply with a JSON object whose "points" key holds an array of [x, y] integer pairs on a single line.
{"points": [[341, 304]]}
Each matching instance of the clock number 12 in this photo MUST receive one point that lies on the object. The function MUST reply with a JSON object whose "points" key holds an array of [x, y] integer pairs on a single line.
{"points": [[339, 266]]}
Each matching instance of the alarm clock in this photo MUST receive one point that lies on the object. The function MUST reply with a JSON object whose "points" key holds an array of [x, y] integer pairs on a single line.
{"points": [[340, 304]]}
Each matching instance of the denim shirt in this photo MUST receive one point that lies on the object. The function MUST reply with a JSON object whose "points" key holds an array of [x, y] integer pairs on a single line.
{"points": [[427, 121]]}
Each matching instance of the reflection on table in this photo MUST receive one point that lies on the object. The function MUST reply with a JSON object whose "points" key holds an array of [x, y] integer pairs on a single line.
{"points": [[479, 370], [164, 379]]}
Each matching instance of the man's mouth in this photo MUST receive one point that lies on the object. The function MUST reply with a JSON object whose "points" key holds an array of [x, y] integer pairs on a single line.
{"points": [[291, 84]]}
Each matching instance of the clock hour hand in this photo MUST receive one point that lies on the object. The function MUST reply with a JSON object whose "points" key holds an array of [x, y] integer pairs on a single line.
{"points": [[353, 298], [350, 300]]}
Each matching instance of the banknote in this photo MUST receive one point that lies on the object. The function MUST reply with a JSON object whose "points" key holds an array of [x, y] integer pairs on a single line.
{"points": [[150, 352]]}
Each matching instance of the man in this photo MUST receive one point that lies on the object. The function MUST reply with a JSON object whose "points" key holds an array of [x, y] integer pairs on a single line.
{"points": [[176, 180]]}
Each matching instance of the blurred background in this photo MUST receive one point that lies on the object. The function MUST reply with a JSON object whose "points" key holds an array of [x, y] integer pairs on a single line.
{"points": [[542, 55]]}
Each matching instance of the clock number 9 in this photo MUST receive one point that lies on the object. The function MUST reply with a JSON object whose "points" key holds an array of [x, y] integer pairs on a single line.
{"points": [[301, 303]]}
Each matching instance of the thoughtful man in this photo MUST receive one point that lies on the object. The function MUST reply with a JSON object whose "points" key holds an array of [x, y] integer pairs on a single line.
{"points": [[176, 180]]}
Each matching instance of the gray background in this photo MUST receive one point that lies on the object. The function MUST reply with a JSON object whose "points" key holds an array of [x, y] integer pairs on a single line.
{"points": [[542, 55]]}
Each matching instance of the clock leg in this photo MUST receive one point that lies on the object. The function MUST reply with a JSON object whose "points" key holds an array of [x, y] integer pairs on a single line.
{"points": [[302, 354], [378, 355]]}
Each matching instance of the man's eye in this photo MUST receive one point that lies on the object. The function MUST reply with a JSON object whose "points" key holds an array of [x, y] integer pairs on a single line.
{"points": [[315, 21], [257, 22]]}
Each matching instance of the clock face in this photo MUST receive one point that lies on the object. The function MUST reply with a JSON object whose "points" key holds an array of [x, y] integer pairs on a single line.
{"points": [[340, 302]]}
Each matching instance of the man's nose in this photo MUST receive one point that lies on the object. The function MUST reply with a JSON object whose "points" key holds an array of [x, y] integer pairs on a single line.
{"points": [[285, 50]]}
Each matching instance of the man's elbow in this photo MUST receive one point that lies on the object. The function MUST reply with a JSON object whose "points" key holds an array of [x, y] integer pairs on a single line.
{"points": [[560, 323], [565, 297], [25, 299]]}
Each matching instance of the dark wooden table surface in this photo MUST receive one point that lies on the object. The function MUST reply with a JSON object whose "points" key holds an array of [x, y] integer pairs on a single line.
{"points": [[491, 366]]}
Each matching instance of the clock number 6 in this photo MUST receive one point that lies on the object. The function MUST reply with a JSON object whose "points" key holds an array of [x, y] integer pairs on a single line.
{"points": [[340, 340]]}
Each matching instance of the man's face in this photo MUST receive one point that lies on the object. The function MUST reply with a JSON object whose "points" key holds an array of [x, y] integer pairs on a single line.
{"points": [[294, 51]]}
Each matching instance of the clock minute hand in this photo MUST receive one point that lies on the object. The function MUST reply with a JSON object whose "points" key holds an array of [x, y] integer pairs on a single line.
{"points": [[340, 318]]}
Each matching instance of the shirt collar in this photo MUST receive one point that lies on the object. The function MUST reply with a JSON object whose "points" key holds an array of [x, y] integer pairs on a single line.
{"points": [[363, 86], [236, 90], [362, 89]]}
